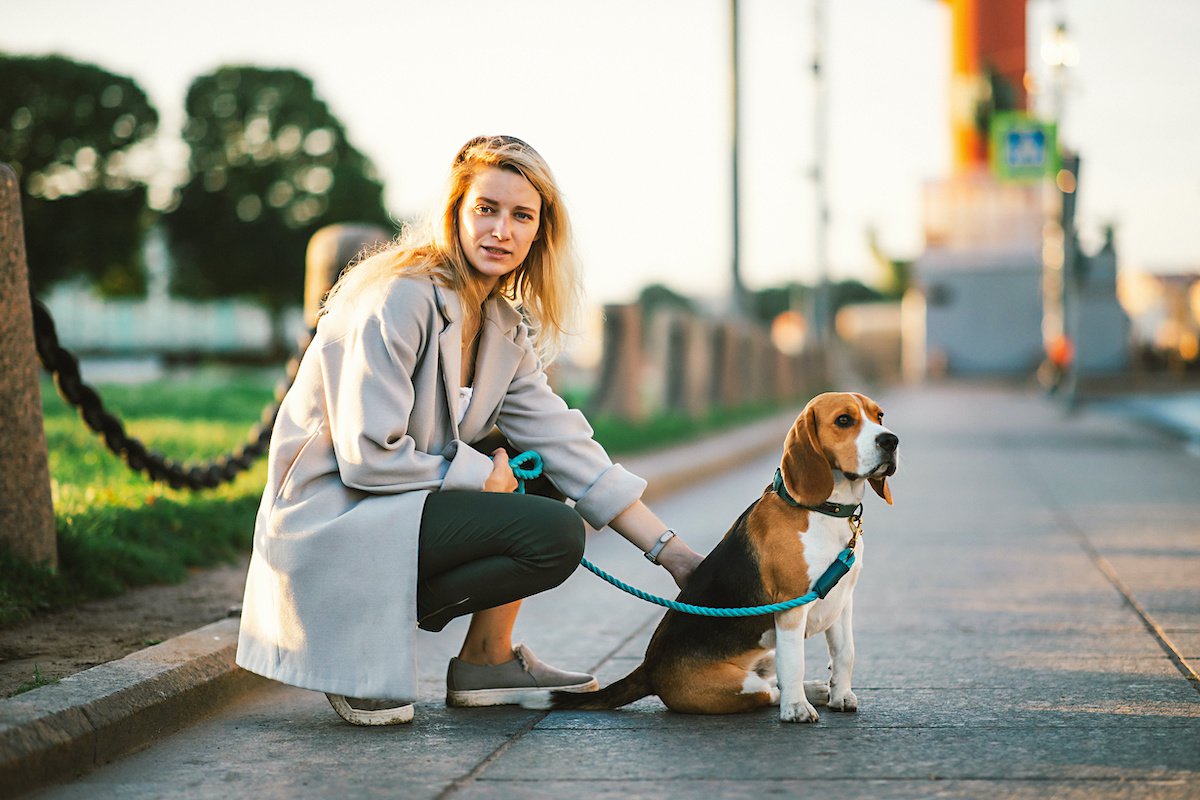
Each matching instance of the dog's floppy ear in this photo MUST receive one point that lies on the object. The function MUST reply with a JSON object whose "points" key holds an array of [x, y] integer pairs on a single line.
{"points": [[807, 475], [881, 488]]}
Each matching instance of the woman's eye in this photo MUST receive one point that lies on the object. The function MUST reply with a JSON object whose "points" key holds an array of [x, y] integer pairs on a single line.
{"points": [[844, 421], [482, 209]]}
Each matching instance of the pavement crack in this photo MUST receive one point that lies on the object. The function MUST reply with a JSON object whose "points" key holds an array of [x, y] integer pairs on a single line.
{"points": [[1068, 524]]}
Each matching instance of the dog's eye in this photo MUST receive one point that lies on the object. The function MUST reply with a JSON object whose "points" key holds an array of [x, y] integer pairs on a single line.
{"points": [[881, 416], [844, 421]]}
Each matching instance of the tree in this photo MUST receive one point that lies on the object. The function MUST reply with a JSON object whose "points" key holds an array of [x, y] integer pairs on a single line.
{"points": [[270, 164], [72, 131], [771, 301]]}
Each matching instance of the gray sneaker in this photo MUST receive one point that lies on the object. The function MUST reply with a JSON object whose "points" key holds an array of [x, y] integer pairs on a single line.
{"points": [[510, 683], [361, 711]]}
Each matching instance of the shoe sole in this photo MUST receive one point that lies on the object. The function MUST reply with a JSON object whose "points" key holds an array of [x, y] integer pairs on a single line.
{"points": [[357, 716], [476, 698]]}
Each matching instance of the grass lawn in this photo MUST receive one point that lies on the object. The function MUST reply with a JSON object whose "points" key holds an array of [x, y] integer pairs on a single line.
{"points": [[117, 530]]}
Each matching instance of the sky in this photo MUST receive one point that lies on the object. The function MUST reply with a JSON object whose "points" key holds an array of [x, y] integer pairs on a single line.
{"points": [[628, 100]]}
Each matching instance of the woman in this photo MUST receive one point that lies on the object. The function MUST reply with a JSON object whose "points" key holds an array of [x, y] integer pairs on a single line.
{"points": [[379, 515]]}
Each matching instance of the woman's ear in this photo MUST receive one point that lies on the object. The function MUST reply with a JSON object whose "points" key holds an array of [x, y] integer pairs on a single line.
{"points": [[881, 488], [807, 475]]}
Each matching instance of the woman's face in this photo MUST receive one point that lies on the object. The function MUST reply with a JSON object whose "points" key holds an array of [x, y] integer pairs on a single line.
{"points": [[498, 222]]}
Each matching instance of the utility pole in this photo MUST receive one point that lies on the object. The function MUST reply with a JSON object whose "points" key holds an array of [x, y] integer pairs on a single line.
{"points": [[821, 312], [739, 290]]}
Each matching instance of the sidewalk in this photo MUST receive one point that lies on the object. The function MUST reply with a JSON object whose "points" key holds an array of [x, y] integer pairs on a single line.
{"points": [[96, 716], [1027, 624]]}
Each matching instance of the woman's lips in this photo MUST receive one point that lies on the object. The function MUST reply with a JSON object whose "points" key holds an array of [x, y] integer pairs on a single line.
{"points": [[496, 251]]}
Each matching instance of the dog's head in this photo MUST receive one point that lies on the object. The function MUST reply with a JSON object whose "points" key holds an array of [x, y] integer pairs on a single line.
{"points": [[843, 432]]}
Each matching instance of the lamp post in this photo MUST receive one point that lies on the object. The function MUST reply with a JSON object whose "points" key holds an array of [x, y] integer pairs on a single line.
{"points": [[1062, 283]]}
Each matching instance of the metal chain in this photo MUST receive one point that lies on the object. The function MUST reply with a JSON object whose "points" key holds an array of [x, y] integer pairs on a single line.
{"points": [[64, 366]]}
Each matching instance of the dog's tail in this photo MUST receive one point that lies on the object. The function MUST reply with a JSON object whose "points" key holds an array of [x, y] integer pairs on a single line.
{"points": [[633, 686]]}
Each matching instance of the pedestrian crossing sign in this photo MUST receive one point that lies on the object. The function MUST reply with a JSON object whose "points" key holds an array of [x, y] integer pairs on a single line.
{"points": [[1023, 148]]}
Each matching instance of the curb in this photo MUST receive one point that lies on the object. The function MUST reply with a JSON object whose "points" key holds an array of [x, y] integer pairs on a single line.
{"points": [[86, 720]]}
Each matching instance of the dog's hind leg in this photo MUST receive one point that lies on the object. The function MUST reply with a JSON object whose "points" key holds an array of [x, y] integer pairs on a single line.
{"points": [[816, 692], [718, 688]]}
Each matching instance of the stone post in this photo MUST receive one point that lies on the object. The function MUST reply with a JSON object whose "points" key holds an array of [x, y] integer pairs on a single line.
{"points": [[618, 391], [27, 526], [698, 354], [329, 251]]}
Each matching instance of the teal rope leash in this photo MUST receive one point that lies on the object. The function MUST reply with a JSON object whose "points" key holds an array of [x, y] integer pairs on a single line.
{"points": [[528, 465], [840, 566]]}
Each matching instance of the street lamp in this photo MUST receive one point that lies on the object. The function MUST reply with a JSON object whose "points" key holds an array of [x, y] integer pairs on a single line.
{"points": [[1060, 245]]}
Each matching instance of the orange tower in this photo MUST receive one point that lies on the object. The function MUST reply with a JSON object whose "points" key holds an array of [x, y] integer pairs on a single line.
{"points": [[988, 72]]}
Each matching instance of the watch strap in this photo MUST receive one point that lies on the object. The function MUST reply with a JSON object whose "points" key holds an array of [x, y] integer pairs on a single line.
{"points": [[652, 554]]}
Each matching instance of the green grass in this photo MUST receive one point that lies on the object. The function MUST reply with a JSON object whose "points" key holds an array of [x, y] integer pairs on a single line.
{"points": [[620, 437], [117, 530]]}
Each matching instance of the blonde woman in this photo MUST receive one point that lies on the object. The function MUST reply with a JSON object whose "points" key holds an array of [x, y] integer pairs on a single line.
{"points": [[389, 502]]}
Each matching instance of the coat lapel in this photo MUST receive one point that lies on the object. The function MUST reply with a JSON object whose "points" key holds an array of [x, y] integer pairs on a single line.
{"points": [[450, 349], [495, 364]]}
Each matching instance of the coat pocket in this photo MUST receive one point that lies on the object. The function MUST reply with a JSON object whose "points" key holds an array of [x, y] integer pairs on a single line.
{"points": [[303, 466]]}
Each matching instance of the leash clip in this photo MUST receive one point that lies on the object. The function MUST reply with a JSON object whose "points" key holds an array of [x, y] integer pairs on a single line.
{"points": [[856, 527]]}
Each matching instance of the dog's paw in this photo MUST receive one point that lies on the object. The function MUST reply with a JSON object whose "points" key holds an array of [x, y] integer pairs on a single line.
{"points": [[798, 712], [843, 701], [816, 692]]}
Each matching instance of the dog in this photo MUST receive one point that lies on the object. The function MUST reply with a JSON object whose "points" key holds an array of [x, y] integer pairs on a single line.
{"points": [[775, 551]]}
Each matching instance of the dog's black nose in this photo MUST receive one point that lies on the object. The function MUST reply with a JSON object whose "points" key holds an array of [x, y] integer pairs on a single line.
{"points": [[888, 442]]}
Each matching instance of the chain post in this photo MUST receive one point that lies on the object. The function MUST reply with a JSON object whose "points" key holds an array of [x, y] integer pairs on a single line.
{"points": [[27, 526], [329, 251]]}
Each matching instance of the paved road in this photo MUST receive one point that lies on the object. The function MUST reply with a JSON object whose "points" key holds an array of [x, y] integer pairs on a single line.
{"points": [[1026, 622]]}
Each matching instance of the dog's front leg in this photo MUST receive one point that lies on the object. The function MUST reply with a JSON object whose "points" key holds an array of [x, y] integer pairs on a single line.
{"points": [[840, 638], [789, 665]]}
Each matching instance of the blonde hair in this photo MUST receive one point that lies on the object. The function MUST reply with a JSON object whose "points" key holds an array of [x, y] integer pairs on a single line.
{"points": [[546, 285]]}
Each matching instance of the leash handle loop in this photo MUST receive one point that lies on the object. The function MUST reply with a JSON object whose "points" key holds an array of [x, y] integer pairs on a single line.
{"points": [[526, 467]]}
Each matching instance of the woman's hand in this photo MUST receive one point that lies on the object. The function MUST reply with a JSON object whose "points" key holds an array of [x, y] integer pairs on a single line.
{"points": [[679, 560], [502, 479]]}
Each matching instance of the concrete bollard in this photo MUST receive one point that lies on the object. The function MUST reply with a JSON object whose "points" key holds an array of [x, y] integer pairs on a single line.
{"points": [[618, 392], [329, 251], [27, 527], [699, 360], [675, 362]]}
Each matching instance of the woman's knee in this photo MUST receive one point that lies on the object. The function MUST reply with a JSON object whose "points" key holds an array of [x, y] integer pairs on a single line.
{"points": [[557, 536]]}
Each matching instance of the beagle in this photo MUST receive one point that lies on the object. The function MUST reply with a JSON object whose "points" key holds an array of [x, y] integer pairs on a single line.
{"points": [[777, 550]]}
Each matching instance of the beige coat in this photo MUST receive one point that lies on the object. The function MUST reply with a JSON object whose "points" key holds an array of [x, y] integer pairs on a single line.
{"points": [[365, 433]]}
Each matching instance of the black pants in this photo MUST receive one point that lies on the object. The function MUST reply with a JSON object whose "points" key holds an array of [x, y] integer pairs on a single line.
{"points": [[480, 550]]}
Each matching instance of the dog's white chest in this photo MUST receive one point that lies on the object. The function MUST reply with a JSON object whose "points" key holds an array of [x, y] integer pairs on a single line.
{"points": [[823, 543]]}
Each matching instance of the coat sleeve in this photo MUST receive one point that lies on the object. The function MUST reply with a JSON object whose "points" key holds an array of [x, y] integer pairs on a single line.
{"points": [[368, 377], [533, 417]]}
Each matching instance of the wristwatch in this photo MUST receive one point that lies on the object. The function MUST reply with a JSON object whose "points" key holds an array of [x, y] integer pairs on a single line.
{"points": [[652, 554]]}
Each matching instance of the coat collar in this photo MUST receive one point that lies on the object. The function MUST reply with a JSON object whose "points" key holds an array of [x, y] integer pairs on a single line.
{"points": [[496, 309]]}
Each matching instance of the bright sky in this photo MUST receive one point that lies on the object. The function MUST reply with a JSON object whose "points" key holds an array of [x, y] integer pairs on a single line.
{"points": [[628, 101]]}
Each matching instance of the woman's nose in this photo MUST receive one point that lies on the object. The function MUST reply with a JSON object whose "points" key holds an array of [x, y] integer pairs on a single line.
{"points": [[500, 230]]}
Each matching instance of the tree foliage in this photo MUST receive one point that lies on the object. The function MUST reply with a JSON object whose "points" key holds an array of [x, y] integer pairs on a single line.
{"points": [[270, 164], [71, 131]]}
